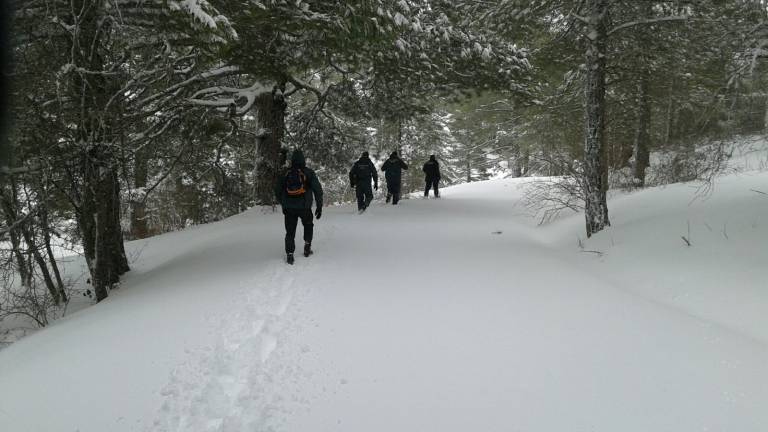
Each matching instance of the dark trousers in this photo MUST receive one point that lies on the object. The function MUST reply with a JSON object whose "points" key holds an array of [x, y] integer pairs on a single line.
{"points": [[292, 217], [393, 191], [364, 194], [432, 184]]}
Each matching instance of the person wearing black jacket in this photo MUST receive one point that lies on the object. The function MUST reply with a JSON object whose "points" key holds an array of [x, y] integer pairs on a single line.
{"points": [[360, 176], [393, 168], [432, 171], [294, 191]]}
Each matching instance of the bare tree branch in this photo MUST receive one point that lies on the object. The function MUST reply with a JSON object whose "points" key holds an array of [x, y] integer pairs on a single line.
{"points": [[648, 21]]}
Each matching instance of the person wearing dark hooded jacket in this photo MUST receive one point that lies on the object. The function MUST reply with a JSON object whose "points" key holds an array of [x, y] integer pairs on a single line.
{"points": [[360, 176], [393, 168], [294, 190], [432, 171]]}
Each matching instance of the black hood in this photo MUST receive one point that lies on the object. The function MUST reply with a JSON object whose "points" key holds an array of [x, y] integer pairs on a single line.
{"points": [[432, 158], [393, 155], [297, 159]]}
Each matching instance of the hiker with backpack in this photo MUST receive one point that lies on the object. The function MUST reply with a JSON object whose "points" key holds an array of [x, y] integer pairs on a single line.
{"points": [[432, 171], [393, 168], [294, 191], [360, 176]]}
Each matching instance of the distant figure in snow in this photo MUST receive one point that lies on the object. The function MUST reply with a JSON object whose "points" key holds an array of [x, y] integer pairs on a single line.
{"points": [[393, 168], [360, 176], [432, 171], [294, 191]]}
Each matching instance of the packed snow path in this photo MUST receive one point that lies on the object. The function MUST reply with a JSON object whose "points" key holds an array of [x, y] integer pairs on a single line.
{"points": [[436, 315]]}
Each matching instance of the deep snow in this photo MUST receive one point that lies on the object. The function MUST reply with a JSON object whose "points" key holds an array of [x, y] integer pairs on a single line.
{"points": [[441, 315]]}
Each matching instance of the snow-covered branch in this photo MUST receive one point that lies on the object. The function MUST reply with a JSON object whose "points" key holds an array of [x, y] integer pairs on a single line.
{"points": [[222, 97], [306, 86], [213, 73]]}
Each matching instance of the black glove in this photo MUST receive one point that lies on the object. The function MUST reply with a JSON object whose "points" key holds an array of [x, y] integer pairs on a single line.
{"points": [[318, 212], [376, 186]]}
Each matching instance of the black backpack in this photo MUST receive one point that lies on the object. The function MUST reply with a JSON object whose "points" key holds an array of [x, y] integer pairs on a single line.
{"points": [[295, 182]]}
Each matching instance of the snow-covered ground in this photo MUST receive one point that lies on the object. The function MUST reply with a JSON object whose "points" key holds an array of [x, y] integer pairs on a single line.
{"points": [[437, 315]]}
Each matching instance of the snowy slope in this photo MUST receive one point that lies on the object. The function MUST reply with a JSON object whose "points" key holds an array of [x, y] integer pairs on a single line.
{"points": [[721, 277], [441, 315]]}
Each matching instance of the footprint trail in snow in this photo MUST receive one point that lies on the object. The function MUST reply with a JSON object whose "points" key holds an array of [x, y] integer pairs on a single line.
{"points": [[240, 383]]}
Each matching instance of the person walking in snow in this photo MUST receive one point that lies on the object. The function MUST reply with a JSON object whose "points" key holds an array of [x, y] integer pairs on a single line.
{"points": [[360, 176], [393, 168], [432, 171], [294, 191]]}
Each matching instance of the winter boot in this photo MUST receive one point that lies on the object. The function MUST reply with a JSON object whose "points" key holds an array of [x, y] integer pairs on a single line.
{"points": [[308, 249], [289, 259], [389, 197]]}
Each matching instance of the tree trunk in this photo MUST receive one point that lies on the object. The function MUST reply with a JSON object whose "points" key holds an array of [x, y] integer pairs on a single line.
{"points": [[669, 115], [595, 170], [640, 150], [139, 228], [29, 238], [11, 206], [85, 215], [98, 227], [6, 59], [117, 244], [765, 118], [110, 258], [405, 186], [271, 117], [49, 251], [99, 213], [524, 161], [469, 169], [21, 262], [516, 165], [400, 137]]}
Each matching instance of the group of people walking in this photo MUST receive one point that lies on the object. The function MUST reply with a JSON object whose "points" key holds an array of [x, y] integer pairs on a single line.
{"points": [[299, 186], [363, 174]]}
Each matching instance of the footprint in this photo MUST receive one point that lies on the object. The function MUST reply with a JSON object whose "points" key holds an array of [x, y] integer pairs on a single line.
{"points": [[257, 326], [268, 345], [284, 303]]}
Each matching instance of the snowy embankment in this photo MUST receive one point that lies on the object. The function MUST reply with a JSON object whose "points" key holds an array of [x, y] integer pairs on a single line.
{"points": [[447, 315]]}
